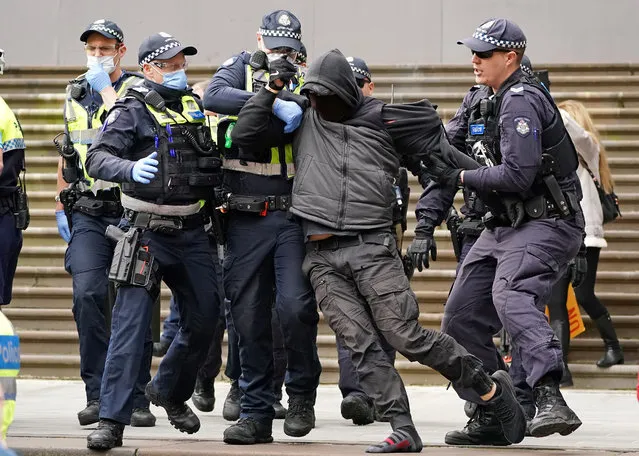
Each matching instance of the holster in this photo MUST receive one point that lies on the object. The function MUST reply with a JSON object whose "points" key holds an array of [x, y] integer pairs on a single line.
{"points": [[132, 263], [68, 198], [258, 204], [21, 209], [453, 223]]}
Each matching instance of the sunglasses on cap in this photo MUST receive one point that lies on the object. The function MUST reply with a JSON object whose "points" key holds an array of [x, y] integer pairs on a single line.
{"points": [[488, 54], [362, 82]]}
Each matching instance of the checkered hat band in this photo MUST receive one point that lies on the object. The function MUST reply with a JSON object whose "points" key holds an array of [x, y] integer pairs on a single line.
{"points": [[280, 33], [499, 43], [102, 28], [159, 51], [366, 74]]}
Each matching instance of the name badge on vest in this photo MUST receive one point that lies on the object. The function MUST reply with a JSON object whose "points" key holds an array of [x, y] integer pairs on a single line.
{"points": [[196, 115], [477, 129]]}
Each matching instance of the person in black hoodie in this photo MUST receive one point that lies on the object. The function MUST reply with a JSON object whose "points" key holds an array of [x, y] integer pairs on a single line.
{"points": [[347, 151]]}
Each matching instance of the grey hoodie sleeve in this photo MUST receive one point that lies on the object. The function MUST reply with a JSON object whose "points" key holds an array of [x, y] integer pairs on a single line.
{"points": [[417, 130]]}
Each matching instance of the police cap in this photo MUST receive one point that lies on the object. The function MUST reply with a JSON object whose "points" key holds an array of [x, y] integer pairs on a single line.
{"points": [[526, 64], [105, 28], [281, 29], [161, 46], [496, 34], [359, 67]]}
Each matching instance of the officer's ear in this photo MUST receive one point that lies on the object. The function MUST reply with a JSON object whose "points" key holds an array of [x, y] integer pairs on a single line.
{"points": [[121, 50]]}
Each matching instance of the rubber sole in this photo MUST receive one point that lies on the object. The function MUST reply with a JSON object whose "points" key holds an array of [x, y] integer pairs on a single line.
{"points": [[103, 446], [232, 441], [295, 432], [465, 441], [557, 426]]}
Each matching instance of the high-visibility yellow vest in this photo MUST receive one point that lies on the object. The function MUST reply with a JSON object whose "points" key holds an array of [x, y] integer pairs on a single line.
{"points": [[10, 132], [83, 128], [9, 368]]}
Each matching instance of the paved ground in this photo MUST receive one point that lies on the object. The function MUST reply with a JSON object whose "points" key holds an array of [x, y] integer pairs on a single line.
{"points": [[46, 424]]}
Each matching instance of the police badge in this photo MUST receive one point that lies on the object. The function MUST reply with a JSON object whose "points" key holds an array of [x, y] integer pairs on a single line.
{"points": [[522, 127]]}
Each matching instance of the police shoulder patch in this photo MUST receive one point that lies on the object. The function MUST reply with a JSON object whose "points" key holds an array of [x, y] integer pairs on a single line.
{"points": [[111, 118], [522, 126], [230, 61]]}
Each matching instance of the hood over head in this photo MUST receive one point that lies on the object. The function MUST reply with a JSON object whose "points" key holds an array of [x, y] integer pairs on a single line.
{"points": [[331, 76]]}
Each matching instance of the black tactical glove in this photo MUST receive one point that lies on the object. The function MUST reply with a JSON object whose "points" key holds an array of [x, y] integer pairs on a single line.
{"points": [[409, 267], [280, 71], [578, 267], [422, 246], [443, 173], [514, 210]]}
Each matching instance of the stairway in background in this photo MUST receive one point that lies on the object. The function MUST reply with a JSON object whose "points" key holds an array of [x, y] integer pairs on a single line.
{"points": [[41, 306]]}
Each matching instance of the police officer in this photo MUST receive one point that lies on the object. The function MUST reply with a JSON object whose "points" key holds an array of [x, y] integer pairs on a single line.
{"points": [[356, 405], [91, 206], [265, 247], [13, 206], [345, 204], [14, 217], [156, 143], [535, 226]]}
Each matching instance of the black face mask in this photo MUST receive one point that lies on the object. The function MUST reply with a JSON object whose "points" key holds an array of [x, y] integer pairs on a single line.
{"points": [[330, 107]]}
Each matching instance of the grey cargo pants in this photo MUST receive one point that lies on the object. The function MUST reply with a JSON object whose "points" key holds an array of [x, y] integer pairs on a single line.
{"points": [[361, 287]]}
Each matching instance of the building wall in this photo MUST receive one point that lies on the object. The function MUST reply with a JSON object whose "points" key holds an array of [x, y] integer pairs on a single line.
{"points": [[410, 32]]}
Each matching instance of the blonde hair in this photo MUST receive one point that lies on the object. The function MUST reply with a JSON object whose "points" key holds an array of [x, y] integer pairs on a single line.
{"points": [[580, 114]]}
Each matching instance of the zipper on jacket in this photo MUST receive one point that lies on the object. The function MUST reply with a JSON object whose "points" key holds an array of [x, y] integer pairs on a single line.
{"points": [[342, 209]]}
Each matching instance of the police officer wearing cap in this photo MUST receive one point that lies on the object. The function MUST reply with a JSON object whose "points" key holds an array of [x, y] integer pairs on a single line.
{"points": [[89, 207], [14, 213], [14, 217], [265, 247], [534, 227], [156, 143]]}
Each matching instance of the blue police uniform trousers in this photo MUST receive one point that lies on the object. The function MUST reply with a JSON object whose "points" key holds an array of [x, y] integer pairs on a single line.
{"points": [[171, 323], [516, 371], [88, 259], [506, 279], [10, 247], [186, 266], [264, 251]]}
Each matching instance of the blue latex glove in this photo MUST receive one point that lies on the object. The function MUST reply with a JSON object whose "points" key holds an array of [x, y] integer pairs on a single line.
{"points": [[63, 225], [97, 78], [145, 168], [288, 112]]}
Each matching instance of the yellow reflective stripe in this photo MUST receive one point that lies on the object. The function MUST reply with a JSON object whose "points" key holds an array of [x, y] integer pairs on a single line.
{"points": [[249, 78], [8, 412], [189, 107], [10, 132], [288, 153], [9, 372], [275, 155]]}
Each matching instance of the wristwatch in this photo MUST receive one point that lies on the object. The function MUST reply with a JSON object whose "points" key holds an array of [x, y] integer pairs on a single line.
{"points": [[57, 198]]}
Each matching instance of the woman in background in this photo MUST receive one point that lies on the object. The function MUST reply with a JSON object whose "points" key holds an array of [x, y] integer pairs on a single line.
{"points": [[592, 156]]}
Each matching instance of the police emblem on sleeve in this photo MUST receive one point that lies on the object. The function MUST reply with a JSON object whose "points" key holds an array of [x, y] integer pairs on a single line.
{"points": [[522, 127]]}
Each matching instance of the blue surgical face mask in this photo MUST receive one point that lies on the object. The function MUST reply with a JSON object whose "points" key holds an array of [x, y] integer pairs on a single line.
{"points": [[175, 80]]}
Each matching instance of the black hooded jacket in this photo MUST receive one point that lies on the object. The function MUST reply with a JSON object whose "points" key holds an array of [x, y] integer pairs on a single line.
{"points": [[346, 169]]}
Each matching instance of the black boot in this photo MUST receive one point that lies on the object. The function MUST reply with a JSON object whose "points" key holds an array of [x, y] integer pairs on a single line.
{"points": [[358, 408], [280, 410], [180, 415], [142, 417], [231, 410], [482, 429], [300, 417], [160, 348], [249, 431], [108, 435], [561, 328], [90, 414], [614, 352], [553, 414], [203, 396]]}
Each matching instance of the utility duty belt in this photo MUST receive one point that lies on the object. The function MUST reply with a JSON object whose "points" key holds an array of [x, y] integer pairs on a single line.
{"points": [[165, 224], [537, 208], [471, 227], [256, 204], [97, 207]]}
